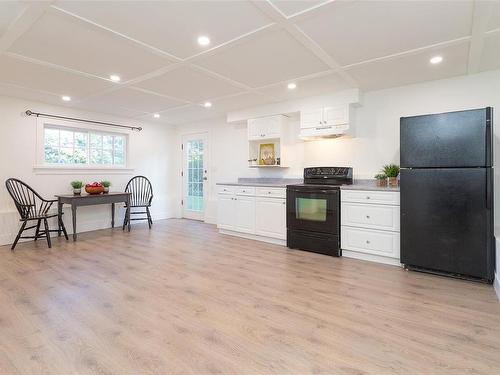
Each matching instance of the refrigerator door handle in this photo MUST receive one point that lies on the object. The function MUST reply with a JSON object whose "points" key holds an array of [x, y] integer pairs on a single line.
{"points": [[489, 182]]}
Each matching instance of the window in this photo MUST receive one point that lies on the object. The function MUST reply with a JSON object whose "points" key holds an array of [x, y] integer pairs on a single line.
{"points": [[80, 147]]}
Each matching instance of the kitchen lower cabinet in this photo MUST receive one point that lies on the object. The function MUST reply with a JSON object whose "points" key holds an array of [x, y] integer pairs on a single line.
{"points": [[226, 217], [244, 212], [257, 213], [270, 214], [370, 225]]}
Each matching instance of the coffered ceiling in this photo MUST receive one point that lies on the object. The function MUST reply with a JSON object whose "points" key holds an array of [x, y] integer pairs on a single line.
{"points": [[54, 48]]}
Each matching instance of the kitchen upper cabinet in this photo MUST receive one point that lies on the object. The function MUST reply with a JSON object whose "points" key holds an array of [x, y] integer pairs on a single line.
{"points": [[271, 214], [325, 122], [244, 214], [270, 127], [311, 119], [338, 115], [328, 116]]}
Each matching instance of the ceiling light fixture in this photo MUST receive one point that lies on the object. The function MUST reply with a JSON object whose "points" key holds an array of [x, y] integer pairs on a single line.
{"points": [[156, 115], [66, 98], [207, 104], [114, 78], [292, 86], [436, 59], [203, 40]]}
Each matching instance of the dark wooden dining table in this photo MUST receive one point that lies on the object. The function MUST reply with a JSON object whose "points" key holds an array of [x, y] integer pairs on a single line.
{"points": [[90, 200]]}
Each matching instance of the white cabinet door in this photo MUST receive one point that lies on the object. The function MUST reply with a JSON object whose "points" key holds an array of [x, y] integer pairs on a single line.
{"points": [[270, 217], [226, 211], [244, 214], [311, 119], [337, 115], [255, 128], [265, 127]]}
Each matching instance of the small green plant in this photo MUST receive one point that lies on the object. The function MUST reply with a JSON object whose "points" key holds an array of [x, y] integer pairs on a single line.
{"points": [[391, 170], [380, 176], [106, 184], [76, 184]]}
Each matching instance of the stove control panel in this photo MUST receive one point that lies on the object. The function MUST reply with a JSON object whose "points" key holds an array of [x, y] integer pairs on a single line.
{"points": [[328, 172]]}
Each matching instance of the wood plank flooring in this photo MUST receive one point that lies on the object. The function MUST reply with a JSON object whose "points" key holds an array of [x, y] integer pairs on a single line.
{"points": [[183, 299]]}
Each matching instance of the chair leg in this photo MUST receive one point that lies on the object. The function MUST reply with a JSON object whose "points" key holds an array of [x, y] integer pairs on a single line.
{"points": [[21, 230], [47, 233], [37, 231], [125, 219], [150, 221], [61, 226]]}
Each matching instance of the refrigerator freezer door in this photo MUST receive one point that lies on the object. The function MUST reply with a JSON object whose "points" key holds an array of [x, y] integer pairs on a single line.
{"points": [[447, 140], [446, 220]]}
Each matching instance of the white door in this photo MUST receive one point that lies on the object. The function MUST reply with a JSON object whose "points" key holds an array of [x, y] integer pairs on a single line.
{"points": [[270, 217], [194, 175], [245, 214]]}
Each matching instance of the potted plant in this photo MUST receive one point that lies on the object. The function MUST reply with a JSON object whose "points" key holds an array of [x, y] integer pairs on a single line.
{"points": [[381, 179], [77, 187], [106, 185], [392, 172]]}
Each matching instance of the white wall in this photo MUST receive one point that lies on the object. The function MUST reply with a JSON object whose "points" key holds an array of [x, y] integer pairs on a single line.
{"points": [[377, 133], [150, 151]]}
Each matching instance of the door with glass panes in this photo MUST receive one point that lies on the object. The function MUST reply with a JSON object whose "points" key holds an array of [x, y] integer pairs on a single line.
{"points": [[194, 175]]}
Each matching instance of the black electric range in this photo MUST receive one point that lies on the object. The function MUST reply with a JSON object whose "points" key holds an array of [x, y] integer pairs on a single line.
{"points": [[313, 210]]}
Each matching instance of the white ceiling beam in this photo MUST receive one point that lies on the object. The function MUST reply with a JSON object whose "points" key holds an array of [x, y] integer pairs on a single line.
{"points": [[277, 16], [480, 20], [23, 23]]}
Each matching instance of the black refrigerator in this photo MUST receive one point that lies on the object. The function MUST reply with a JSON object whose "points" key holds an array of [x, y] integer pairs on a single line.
{"points": [[447, 193]]}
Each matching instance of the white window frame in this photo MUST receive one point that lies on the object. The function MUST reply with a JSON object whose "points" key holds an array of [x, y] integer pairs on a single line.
{"points": [[47, 168]]}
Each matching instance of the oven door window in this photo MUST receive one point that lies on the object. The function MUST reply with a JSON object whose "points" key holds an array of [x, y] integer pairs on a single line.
{"points": [[311, 209]]}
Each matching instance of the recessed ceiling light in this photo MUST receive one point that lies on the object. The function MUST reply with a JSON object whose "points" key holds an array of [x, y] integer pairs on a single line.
{"points": [[156, 115], [207, 104], [66, 98], [436, 59], [291, 86], [114, 78], [203, 40]]}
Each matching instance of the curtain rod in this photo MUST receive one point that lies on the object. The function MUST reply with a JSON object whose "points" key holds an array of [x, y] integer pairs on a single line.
{"points": [[31, 113]]}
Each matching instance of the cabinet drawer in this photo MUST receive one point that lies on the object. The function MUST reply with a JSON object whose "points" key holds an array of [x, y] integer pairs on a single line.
{"points": [[368, 196], [226, 189], [271, 192], [383, 217], [245, 190], [370, 241]]}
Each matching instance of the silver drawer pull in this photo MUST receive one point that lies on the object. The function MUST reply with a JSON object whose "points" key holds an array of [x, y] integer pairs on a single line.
{"points": [[268, 192], [367, 197], [367, 216], [368, 242]]}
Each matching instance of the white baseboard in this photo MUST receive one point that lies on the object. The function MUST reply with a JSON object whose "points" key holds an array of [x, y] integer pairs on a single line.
{"points": [[210, 220], [371, 258], [275, 241], [84, 224]]}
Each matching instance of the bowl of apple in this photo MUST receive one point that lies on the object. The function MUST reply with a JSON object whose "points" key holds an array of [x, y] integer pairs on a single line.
{"points": [[94, 188]]}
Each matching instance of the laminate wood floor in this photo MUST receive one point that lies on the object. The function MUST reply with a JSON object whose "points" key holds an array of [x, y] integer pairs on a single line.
{"points": [[184, 299]]}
